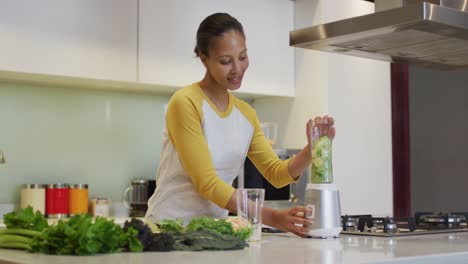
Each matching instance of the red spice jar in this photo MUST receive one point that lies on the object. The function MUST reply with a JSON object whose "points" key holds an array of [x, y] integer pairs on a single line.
{"points": [[57, 199]]}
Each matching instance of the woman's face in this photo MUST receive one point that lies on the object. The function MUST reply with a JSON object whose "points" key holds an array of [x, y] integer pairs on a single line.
{"points": [[227, 59]]}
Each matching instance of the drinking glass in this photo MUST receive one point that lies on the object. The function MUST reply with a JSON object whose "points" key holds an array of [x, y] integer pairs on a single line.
{"points": [[270, 131], [249, 208]]}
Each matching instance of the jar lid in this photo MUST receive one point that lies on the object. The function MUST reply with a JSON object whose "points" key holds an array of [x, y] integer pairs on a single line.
{"points": [[102, 200], [79, 186], [33, 186], [139, 181], [58, 186]]}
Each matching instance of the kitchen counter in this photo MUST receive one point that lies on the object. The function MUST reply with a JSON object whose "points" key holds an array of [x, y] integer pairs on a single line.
{"points": [[287, 248]]}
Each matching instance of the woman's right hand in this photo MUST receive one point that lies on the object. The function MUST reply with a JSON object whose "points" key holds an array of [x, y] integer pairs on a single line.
{"points": [[292, 220]]}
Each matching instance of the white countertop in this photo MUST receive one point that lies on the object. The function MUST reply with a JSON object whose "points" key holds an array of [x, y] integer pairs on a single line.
{"points": [[287, 248]]}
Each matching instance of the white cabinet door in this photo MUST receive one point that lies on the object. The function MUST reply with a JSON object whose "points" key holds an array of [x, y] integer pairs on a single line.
{"points": [[168, 32], [84, 38]]}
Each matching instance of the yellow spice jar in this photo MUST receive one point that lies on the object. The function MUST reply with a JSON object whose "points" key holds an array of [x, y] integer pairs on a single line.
{"points": [[78, 200]]}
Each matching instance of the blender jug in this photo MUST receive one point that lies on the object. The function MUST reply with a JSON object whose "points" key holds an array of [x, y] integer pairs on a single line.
{"points": [[322, 197], [321, 165]]}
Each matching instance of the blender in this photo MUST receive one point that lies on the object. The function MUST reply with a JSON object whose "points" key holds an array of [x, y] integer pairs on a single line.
{"points": [[322, 197]]}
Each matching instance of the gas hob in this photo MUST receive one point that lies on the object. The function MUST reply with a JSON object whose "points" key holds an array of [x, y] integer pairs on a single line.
{"points": [[422, 223]]}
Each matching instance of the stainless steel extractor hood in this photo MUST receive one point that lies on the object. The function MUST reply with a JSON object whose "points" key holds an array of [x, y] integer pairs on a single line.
{"points": [[432, 33]]}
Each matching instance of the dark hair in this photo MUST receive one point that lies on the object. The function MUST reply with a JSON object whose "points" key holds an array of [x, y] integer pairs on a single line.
{"points": [[214, 26]]}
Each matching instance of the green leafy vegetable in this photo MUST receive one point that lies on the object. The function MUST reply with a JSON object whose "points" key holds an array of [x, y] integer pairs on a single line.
{"points": [[18, 234], [243, 233], [171, 225], [220, 225], [129, 240], [208, 240], [144, 233], [79, 236], [153, 241], [26, 219], [162, 242]]}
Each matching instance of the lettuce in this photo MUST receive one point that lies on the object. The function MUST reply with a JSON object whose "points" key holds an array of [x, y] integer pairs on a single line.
{"points": [[26, 219]]}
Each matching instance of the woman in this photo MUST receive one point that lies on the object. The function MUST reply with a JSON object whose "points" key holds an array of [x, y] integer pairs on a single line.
{"points": [[208, 134]]}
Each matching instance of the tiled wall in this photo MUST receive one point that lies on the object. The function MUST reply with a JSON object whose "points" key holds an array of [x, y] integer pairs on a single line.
{"points": [[102, 138]]}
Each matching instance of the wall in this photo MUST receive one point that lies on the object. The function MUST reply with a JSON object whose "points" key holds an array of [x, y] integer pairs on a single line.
{"points": [[356, 92], [438, 139], [102, 138]]}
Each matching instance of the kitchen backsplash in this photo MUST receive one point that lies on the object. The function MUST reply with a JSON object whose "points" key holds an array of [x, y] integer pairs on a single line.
{"points": [[102, 138]]}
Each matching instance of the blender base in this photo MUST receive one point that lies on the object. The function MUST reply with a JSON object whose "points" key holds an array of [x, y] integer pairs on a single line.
{"points": [[323, 200], [325, 233]]}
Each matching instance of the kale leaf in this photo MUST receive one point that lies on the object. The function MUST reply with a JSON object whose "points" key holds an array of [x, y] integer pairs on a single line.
{"points": [[144, 233], [154, 241], [161, 242], [208, 240]]}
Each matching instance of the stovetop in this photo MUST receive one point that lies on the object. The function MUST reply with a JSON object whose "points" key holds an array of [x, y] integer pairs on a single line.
{"points": [[419, 224]]}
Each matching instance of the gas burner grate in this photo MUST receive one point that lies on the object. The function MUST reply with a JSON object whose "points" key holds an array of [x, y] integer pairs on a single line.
{"points": [[439, 220]]}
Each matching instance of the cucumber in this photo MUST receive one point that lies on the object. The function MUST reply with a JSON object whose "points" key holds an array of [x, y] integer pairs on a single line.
{"points": [[321, 167]]}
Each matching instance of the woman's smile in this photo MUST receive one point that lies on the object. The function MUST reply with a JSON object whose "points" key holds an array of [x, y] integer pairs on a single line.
{"points": [[235, 80]]}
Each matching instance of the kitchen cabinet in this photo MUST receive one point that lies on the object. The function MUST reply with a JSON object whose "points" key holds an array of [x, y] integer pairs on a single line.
{"points": [[167, 36], [79, 38]]}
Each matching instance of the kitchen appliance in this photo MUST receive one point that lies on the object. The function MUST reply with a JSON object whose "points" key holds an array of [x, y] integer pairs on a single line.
{"points": [[276, 197], [136, 196], [322, 197], [422, 223], [431, 33]]}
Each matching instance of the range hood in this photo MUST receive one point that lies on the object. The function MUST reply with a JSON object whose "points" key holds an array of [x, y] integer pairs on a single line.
{"points": [[432, 33]]}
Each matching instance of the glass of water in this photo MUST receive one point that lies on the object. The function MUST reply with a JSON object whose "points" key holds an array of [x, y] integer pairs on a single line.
{"points": [[249, 208]]}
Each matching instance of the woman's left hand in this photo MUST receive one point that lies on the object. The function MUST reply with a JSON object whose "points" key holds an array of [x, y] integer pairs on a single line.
{"points": [[292, 220]]}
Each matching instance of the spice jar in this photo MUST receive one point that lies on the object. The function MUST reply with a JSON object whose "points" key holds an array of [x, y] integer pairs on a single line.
{"points": [[33, 195], [57, 196], [78, 200], [100, 207]]}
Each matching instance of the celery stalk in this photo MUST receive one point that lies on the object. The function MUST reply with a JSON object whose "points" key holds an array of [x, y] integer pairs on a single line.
{"points": [[16, 245], [20, 231], [14, 238]]}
